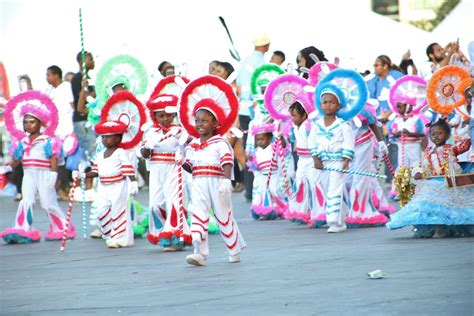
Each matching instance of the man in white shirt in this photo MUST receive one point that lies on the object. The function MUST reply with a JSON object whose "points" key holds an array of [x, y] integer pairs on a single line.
{"points": [[438, 57], [61, 94]]}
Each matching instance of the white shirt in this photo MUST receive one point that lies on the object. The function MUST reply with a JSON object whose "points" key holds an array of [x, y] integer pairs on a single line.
{"points": [[63, 99]]}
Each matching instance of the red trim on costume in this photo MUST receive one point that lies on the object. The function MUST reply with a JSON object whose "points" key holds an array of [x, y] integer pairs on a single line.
{"points": [[197, 217], [118, 233], [227, 221], [118, 216], [106, 214], [235, 242], [304, 152], [162, 157], [111, 179], [364, 137]]}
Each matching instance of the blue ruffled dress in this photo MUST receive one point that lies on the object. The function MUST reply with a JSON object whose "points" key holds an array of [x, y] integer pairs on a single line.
{"points": [[437, 209]]}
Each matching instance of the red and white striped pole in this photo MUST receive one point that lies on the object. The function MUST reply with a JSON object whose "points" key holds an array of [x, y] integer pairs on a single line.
{"points": [[180, 204], [68, 216]]}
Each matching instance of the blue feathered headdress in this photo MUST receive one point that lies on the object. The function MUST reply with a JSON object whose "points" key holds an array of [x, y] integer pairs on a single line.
{"points": [[348, 86]]}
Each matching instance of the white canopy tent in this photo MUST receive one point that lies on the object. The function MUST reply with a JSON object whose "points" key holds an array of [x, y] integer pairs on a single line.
{"points": [[37, 34]]}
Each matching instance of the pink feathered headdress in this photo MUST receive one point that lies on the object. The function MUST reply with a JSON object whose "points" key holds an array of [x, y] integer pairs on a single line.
{"points": [[35, 111], [263, 129]]}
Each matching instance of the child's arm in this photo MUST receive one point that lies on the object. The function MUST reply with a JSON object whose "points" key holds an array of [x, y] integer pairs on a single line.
{"points": [[9, 168], [227, 170]]}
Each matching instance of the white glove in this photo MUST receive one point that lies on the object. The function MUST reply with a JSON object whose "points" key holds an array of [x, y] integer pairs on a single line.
{"points": [[383, 147], [51, 180], [134, 188], [225, 187], [77, 174], [5, 169]]}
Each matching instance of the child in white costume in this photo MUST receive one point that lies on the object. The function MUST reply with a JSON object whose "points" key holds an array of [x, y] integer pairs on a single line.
{"points": [[113, 166], [207, 113], [160, 145], [366, 197], [307, 202], [409, 129], [38, 154], [331, 144], [268, 200]]}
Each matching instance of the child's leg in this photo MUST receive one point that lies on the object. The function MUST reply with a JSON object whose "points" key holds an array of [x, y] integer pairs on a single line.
{"points": [[200, 205], [412, 154], [121, 225], [103, 208], [334, 201], [49, 202], [157, 215], [23, 232], [222, 206]]}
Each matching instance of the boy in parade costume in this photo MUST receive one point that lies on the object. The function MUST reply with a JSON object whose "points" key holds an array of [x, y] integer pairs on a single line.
{"points": [[208, 108], [112, 167], [338, 97], [37, 152], [159, 146]]}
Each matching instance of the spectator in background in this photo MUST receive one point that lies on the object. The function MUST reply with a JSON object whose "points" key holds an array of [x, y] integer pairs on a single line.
{"points": [[24, 82], [437, 58], [306, 59], [85, 136], [60, 92], [212, 67], [166, 69], [278, 57], [386, 73], [247, 65], [407, 65], [223, 70]]}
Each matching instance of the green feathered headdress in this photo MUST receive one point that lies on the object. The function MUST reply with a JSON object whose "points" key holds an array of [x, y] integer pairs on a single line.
{"points": [[261, 77], [123, 69]]}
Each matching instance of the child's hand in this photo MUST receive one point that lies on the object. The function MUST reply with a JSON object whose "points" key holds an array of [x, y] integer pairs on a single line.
{"points": [[318, 164], [345, 165]]}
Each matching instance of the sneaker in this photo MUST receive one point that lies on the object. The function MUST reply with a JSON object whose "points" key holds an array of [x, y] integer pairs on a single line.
{"points": [[171, 248], [112, 244], [239, 187], [234, 259], [96, 234], [337, 229], [62, 195], [18, 197], [195, 260]]}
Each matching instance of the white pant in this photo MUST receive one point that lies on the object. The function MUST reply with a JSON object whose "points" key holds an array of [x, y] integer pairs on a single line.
{"points": [[165, 218], [333, 186], [113, 213], [204, 196], [35, 181]]}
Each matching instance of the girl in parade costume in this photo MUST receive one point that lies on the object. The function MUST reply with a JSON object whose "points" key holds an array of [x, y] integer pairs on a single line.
{"points": [[160, 145], [339, 96], [208, 108], [435, 209], [113, 166], [268, 201], [307, 202], [37, 153], [366, 196]]}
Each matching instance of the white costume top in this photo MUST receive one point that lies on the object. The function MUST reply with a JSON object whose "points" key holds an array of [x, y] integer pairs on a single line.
{"points": [[63, 99], [301, 138], [206, 159], [263, 159], [334, 142], [413, 124], [164, 151], [35, 154], [114, 168]]}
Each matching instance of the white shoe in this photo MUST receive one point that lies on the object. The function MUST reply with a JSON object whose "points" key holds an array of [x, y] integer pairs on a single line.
{"points": [[96, 234], [112, 244], [337, 229], [195, 260], [171, 248], [234, 259]]}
